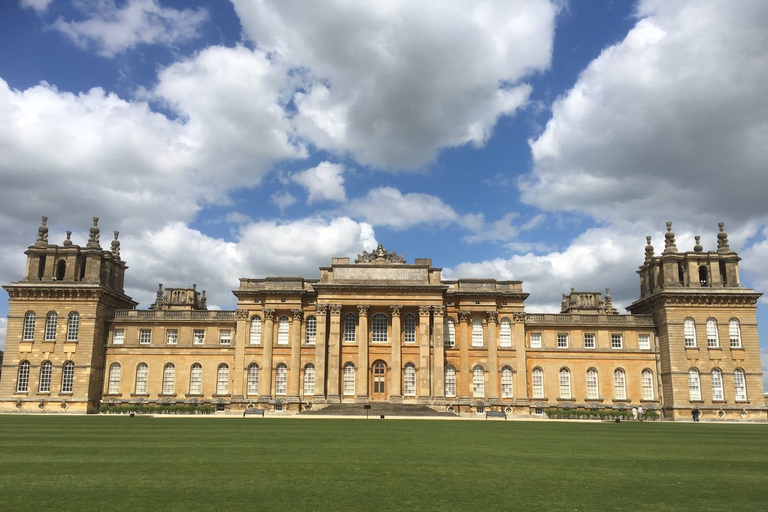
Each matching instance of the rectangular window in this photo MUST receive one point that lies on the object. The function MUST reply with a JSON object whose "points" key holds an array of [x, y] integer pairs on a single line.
{"points": [[225, 337], [145, 336], [617, 341], [562, 341], [118, 337], [172, 336], [589, 341], [198, 336], [535, 340], [644, 341]]}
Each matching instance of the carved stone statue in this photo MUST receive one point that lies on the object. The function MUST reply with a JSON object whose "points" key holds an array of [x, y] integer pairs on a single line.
{"points": [[380, 255]]}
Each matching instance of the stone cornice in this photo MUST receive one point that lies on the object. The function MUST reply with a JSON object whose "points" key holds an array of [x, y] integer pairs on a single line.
{"points": [[705, 297], [49, 292]]}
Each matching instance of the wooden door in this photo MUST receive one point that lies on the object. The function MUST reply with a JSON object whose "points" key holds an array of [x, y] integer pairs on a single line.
{"points": [[379, 381]]}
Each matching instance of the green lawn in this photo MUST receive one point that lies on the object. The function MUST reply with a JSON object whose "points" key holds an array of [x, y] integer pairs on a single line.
{"points": [[120, 463]]}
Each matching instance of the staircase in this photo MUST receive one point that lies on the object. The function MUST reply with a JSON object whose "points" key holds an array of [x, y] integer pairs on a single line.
{"points": [[377, 409]]}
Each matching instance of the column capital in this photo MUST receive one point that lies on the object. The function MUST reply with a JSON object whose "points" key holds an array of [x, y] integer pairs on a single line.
{"points": [[425, 310], [298, 314], [362, 309], [269, 314], [463, 316], [518, 317], [321, 309], [335, 309], [439, 309], [492, 315], [242, 314], [396, 309]]}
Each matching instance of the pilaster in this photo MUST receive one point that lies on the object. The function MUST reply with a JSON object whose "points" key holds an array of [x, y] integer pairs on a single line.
{"points": [[265, 379], [425, 313], [321, 311], [462, 338], [395, 380], [438, 375], [294, 382], [492, 318], [334, 354], [361, 382]]}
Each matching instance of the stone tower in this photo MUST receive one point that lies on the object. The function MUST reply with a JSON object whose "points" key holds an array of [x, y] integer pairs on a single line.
{"points": [[57, 324], [707, 330]]}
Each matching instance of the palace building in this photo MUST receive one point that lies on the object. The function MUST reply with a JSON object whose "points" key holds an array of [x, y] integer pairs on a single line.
{"points": [[381, 329]]}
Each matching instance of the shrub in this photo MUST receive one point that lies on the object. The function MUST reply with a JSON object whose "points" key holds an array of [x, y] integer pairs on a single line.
{"points": [[157, 409], [596, 414]]}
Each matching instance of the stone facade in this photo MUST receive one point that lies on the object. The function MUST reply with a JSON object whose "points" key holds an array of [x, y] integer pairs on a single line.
{"points": [[383, 329]]}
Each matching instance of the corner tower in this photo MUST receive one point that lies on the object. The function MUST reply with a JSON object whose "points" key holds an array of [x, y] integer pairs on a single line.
{"points": [[57, 324], [707, 330]]}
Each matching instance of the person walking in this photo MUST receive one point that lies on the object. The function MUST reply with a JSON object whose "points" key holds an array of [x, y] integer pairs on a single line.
{"points": [[640, 412], [695, 413], [634, 413]]}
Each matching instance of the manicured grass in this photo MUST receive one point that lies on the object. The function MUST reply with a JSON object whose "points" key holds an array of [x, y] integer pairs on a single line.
{"points": [[120, 463]]}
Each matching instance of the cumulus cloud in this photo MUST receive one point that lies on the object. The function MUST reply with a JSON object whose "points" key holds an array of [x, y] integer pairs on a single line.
{"points": [[325, 182], [668, 123], [40, 6], [393, 82], [504, 229], [282, 199], [112, 29]]}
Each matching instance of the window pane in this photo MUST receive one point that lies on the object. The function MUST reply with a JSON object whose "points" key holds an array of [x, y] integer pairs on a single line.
{"points": [[592, 388], [450, 381], [713, 339], [717, 385], [50, 326], [562, 340], [283, 328], [118, 337], [619, 385], [67, 377], [449, 339], [380, 323], [478, 382], [350, 326], [311, 331], [29, 327], [505, 333], [740, 384], [46, 369], [255, 338], [644, 341], [617, 341], [169, 379], [253, 379], [689, 329], [409, 329], [734, 333], [536, 340], [281, 379], [589, 341], [114, 378], [409, 380], [537, 382], [565, 383], [141, 379], [477, 332], [349, 379], [309, 380], [647, 385], [506, 382], [694, 385], [73, 326], [196, 380], [222, 380]]}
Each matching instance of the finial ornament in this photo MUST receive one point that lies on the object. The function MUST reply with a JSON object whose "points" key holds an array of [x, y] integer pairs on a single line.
{"points": [[669, 240], [68, 241], [42, 233], [380, 255], [649, 251], [698, 247], [203, 301], [93, 234], [116, 245], [722, 239]]}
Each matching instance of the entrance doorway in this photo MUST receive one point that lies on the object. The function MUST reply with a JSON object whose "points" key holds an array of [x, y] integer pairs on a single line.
{"points": [[379, 381]]}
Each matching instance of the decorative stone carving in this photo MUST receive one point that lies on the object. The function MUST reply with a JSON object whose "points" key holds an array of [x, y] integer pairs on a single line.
{"points": [[116, 246], [396, 310], [380, 255], [492, 316], [362, 309], [648, 249], [242, 314], [335, 309], [204, 302], [425, 310], [68, 241], [698, 247], [93, 234], [722, 239], [42, 233], [669, 240], [463, 316], [439, 309], [269, 314], [298, 314], [321, 309], [518, 317]]}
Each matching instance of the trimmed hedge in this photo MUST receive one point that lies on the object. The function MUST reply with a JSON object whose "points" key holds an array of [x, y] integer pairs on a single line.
{"points": [[588, 414], [157, 409]]}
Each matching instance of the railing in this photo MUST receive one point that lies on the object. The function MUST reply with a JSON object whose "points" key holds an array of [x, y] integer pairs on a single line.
{"points": [[151, 314], [578, 319]]}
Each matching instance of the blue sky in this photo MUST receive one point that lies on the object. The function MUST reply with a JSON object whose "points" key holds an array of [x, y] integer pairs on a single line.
{"points": [[519, 140]]}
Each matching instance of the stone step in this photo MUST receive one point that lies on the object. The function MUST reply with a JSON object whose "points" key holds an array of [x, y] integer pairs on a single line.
{"points": [[378, 409]]}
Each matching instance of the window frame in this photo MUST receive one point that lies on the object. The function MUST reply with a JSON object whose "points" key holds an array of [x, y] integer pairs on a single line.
{"points": [[619, 384], [478, 381], [254, 333], [409, 380], [310, 330], [281, 379], [734, 326], [505, 333], [350, 328], [537, 383], [740, 385], [309, 380], [593, 384], [118, 340], [694, 385], [647, 385], [507, 382], [380, 328], [449, 334], [142, 379], [644, 341], [348, 379], [196, 379], [171, 336], [590, 340], [113, 379], [222, 379], [713, 336], [68, 377], [145, 336], [73, 326], [46, 376], [562, 340], [477, 332], [689, 332], [225, 336], [169, 379], [283, 330], [617, 341], [409, 328], [198, 336], [450, 381], [718, 389], [28, 330], [535, 337], [564, 379], [51, 323]]}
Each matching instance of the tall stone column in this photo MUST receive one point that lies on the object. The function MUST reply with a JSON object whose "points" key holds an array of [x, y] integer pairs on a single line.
{"points": [[438, 375], [493, 363], [395, 374], [462, 338], [334, 354], [241, 338], [320, 348], [425, 394], [520, 379], [265, 379], [361, 382], [295, 375]]}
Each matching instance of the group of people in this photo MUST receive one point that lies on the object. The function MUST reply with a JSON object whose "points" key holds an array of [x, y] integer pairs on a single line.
{"points": [[637, 413]]}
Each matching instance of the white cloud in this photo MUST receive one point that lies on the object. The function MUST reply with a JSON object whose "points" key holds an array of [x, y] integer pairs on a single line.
{"points": [[40, 6], [504, 229], [282, 199], [112, 29], [264, 248], [393, 82], [325, 182], [668, 123]]}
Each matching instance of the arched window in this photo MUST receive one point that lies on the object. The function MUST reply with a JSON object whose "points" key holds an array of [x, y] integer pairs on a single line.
{"points": [[253, 379], [309, 380], [565, 383], [450, 381], [29, 326], [169, 379], [283, 328], [310, 337], [349, 379], [255, 330], [505, 333], [409, 328], [61, 270], [379, 326], [50, 326], [689, 329], [734, 333], [703, 278], [740, 385], [449, 339], [142, 374], [409, 380], [222, 379], [506, 382], [647, 380], [67, 377], [115, 372], [281, 379], [478, 382], [717, 385], [619, 385], [537, 383], [22, 381], [73, 326], [694, 385], [477, 332], [46, 370], [350, 328], [196, 379], [713, 340], [593, 391]]}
